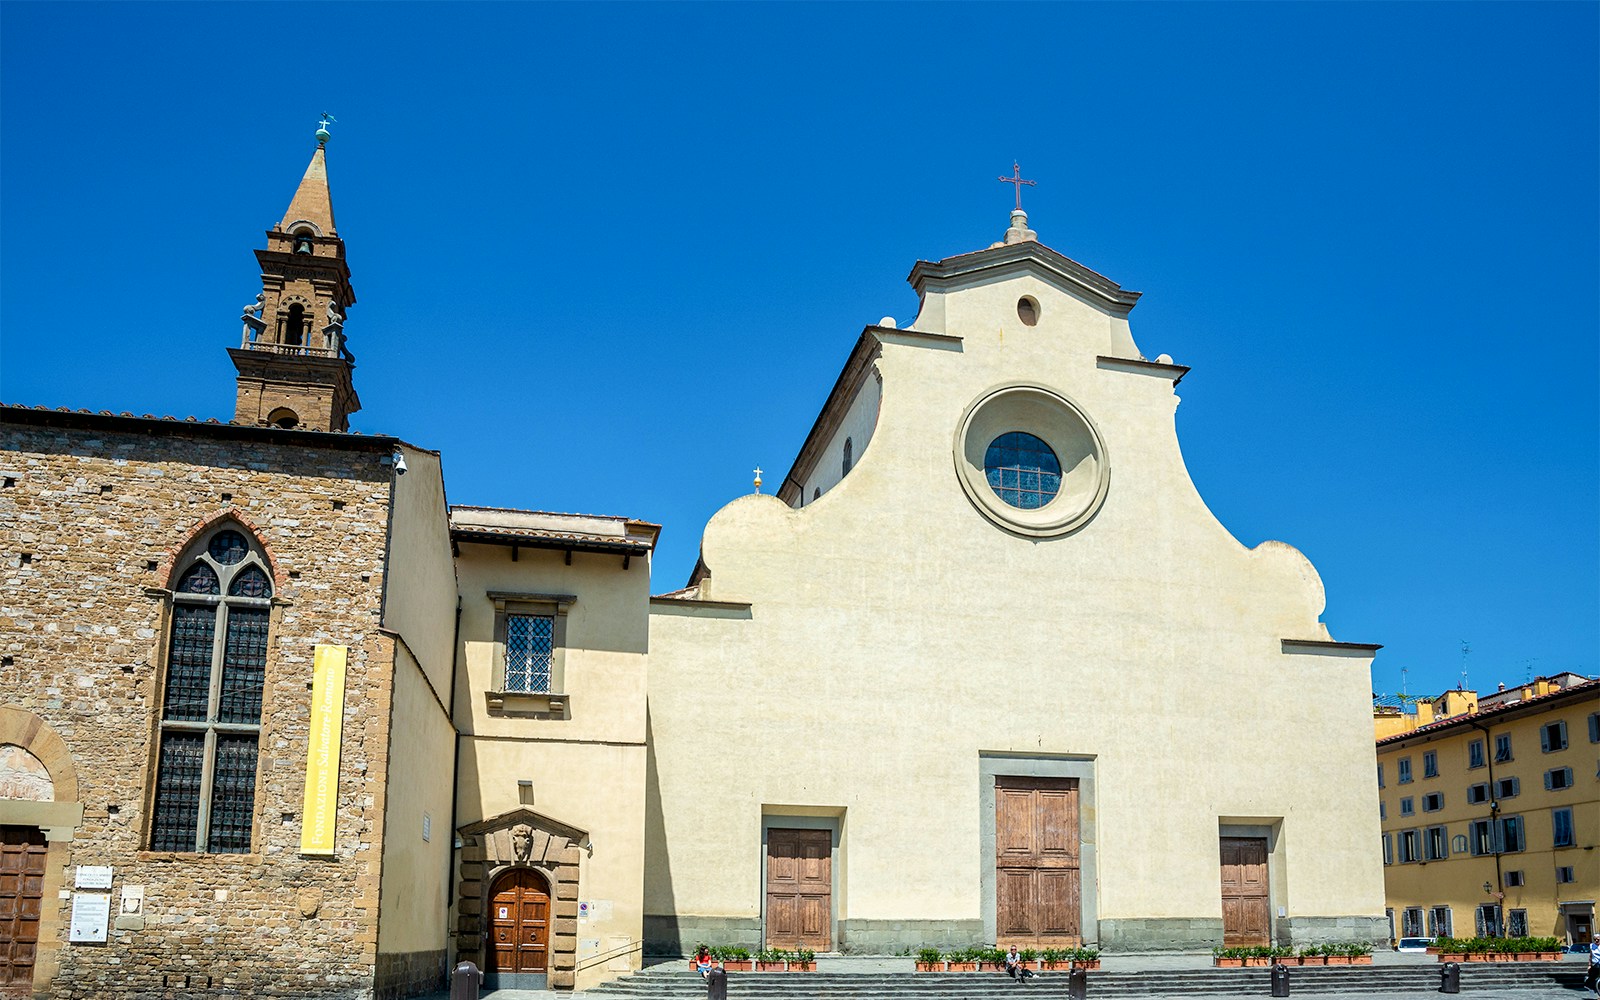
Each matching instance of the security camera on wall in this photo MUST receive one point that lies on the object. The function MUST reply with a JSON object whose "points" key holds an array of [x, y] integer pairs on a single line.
{"points": [[400, 468]]}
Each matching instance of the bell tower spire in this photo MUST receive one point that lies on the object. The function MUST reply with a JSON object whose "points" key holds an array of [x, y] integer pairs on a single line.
{"points": [[294, 368]]}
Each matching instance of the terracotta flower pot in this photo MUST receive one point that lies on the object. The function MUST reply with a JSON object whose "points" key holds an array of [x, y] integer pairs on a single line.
{"points": [[802, 967], [769, 966], [1361, 960], [963, 967], [930, 966], [1338, 959], [1227, 963], [737, 965], [1452, 956], [1087, 964], [1257, 962]]}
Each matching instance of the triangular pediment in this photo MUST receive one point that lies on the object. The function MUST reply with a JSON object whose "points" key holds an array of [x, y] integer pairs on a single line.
{"points": [[524, 817], [1029, 255]]}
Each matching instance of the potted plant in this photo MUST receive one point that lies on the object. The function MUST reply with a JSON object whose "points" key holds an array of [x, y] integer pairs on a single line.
{"points": [[963, 960], [1086, 958], [1053, 958], [1029, 958], [770, 960], [1360, 952], [992, 959], [929, 960], [803, 960], [735, 959], [1225, 958]]}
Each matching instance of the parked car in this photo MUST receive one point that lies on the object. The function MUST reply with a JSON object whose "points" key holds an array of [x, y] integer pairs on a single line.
{"points": [[1414, 944]]}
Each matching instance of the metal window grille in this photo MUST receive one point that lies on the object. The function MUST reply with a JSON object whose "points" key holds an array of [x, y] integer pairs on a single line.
{"points": [[228, 547], [1022, 470], [244, 666], [189, 663], [233, 795], [1517, 923], [178, 776], [201, 579], [250, 583], [530, 643]]}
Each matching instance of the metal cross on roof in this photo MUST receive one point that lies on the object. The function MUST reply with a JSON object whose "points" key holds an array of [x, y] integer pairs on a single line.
{"points": [[1016, 179]]}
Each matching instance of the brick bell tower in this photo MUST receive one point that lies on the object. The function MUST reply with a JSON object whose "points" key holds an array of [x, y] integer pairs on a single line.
{"points": [[294, 368]]}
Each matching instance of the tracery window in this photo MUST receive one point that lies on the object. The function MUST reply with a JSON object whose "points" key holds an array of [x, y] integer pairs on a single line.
{"points": [[211, 699]]}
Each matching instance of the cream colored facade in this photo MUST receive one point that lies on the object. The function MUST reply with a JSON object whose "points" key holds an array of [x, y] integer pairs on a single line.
{"points": [[881, 654], [1491, 817]]}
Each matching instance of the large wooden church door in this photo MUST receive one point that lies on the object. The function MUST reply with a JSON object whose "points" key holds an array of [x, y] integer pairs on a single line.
{"points": [[1038, 900], [800, 889], [519, 920], [22, 853], [1245, 909]]}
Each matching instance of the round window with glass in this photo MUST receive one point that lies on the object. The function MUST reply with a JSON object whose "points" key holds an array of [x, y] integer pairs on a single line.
{"points": [[1022, 470]]}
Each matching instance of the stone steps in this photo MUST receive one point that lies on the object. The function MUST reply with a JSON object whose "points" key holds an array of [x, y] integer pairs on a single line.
{"points": [[1411, 980]]}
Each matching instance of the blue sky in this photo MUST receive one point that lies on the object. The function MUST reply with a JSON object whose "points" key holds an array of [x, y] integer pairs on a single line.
{"points": [[609, 258]]}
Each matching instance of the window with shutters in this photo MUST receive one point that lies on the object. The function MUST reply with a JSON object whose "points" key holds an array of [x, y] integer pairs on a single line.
{"points": [[1566, 874], [1517, 923], [1558, 778], [1403, 766], [1486, 920], [1515, 880], [1477, 794], [1561, 831], [1553, 736], [1430, 764], [1410, 846], [1507, 788], [1480, 834], [1475, 754], [1502, 748], [1388, 850], [211, 697], [1433, 802], [1407, 806], [1436, 844], [1439, 922], [1594, 727], [1511, 834], [1411, 922]]}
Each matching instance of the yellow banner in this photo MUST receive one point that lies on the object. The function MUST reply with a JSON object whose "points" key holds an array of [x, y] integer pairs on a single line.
{"points": [[322, 752]]}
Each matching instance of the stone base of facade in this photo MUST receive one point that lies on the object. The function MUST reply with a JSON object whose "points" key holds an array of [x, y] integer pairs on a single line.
{"points": [[1301, 931], [1160, 933], [676, 934], [894, 937], [410, 973]]}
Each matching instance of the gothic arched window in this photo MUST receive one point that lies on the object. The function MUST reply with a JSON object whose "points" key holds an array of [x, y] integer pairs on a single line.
{"points": [[211, 698]]}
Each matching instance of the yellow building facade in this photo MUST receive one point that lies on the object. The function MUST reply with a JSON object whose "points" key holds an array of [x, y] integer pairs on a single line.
{"points": [[1490, 808]]}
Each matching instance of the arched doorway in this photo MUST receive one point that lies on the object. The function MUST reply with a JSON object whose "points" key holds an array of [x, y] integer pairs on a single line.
{"points": [[519, 930]]}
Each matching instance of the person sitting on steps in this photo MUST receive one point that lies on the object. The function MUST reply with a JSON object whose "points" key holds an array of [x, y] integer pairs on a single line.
{"points": [[1014, 967]]}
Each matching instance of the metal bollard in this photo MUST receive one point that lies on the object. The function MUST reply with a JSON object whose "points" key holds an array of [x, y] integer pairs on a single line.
{"points": [[1280, 980], [464, 982], [1450, 978], [1077, 984], [716, 984]]}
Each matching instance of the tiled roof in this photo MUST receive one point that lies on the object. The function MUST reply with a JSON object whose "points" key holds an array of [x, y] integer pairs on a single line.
{"points": [[1468, 718]]}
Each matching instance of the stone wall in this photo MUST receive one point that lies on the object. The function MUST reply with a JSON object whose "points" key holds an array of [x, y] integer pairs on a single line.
{"points": [[93, 512]]}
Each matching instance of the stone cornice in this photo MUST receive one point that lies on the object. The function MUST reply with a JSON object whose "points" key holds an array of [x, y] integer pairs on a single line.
{"points": [[1139, 366], [1093, 285], [152, 426], [1324, 647]]}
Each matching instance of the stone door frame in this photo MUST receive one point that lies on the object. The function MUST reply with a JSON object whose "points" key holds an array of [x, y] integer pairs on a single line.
{"points": [[521, 838]]}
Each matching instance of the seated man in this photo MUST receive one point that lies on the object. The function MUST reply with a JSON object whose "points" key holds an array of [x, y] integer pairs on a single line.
{"points": [[1014, 967]]}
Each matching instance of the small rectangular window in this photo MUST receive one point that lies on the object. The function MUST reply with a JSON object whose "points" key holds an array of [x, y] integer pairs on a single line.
{"points": [[1517, 923], [1406, 807], [1561, 831], [1553, 736], [1502, 748], [1433, 802], [1430, 764], [1513, 881], [1594, 727], [1558, 778], [1475, 754], [1380, 775], [1511, 838], [1383, 811], [530, 644], [1477, 794], [1566, 875], [1403, 767], [1388, 850], [1487, 920], [1439, 922], [1507, 788]]}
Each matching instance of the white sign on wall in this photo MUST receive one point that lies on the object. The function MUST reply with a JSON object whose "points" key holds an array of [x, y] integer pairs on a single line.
{"points": [[91, 911], [132, 899], [93, 877]]}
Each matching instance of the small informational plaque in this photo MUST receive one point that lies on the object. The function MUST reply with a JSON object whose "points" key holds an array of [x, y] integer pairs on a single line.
{"points": [[91, 911], [132, 899], [92, 877]]}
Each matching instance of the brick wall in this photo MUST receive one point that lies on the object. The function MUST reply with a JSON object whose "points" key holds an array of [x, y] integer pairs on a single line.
{"points": [[87, 511]]}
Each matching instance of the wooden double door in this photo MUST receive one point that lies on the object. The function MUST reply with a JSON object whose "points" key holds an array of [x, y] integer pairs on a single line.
{"points": [[519, 923], [1246, 903], [1038, 886], [22, 854], [800, 889]]}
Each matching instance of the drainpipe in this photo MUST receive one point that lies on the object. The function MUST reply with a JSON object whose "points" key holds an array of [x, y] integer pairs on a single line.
{"points": [[1494, 817]]}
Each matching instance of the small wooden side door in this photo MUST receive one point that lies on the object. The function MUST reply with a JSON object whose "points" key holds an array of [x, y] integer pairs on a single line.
{"points": [[519, 921], [800, 889], [1246, 912], [22, 854]]}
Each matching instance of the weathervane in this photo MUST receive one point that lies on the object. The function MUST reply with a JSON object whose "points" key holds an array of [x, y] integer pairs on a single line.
{"points": [[1016, 179]]}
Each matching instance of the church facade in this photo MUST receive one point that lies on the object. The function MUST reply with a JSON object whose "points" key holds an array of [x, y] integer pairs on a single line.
{"points": [[276, 718]]}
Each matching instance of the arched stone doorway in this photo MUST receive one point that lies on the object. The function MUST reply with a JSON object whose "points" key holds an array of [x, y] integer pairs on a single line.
{"points": [[39, 813], [517, 954], [492, 850]]}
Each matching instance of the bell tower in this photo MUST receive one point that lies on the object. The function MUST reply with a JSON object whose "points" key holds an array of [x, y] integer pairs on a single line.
{"points": [[294, 368]]}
